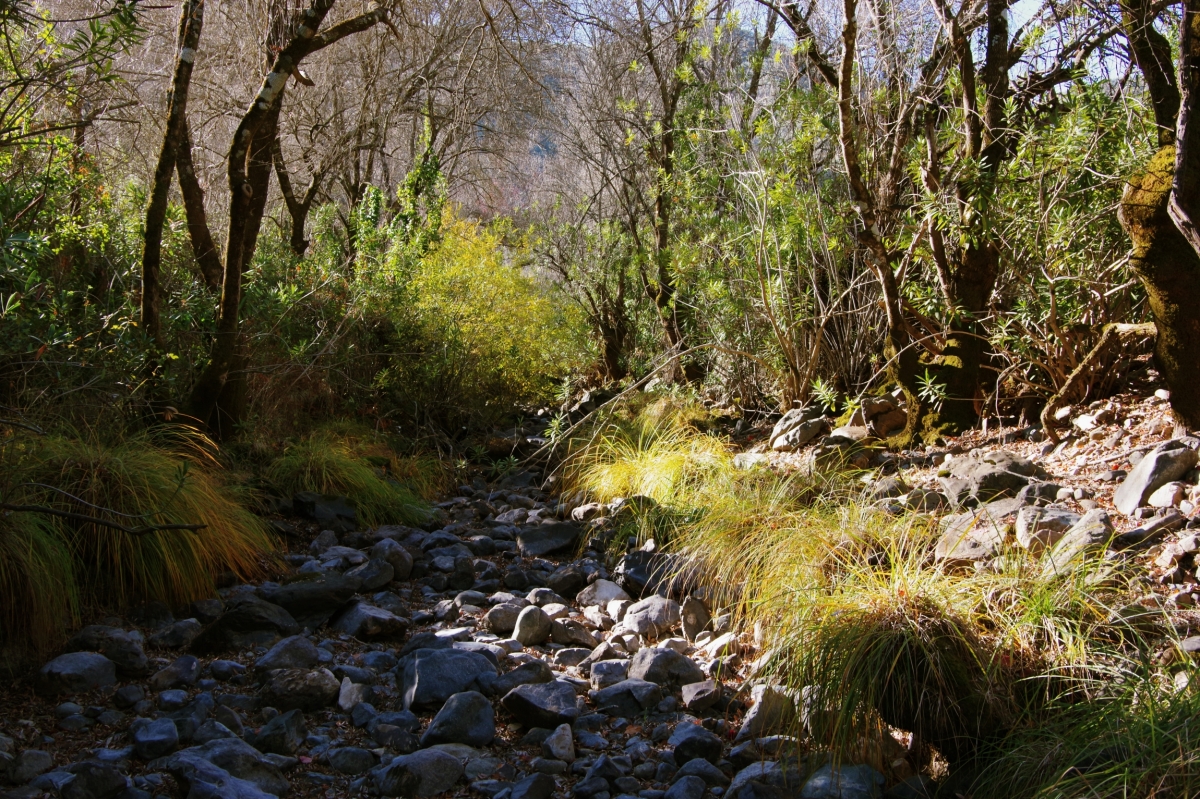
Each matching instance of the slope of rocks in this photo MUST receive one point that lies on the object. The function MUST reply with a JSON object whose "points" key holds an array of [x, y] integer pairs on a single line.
{"points": [[471, 657]]}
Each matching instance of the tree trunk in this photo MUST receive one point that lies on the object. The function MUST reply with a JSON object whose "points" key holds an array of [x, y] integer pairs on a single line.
{"points": [[204, 249], [211, 402], [298, 208], [1170, 270], [191, 18]]}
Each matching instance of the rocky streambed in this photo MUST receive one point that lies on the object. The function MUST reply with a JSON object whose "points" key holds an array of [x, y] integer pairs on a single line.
{"points": [[477, 656]]}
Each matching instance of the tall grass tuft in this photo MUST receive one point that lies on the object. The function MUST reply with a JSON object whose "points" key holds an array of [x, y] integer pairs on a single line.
{"points": [[328, 464], [152, 480], [855, 615], [38, 595]]}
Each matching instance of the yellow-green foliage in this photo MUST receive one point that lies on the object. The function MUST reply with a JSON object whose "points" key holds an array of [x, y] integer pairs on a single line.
{"points": [[473, 288], [173, 481], [329, 464]]}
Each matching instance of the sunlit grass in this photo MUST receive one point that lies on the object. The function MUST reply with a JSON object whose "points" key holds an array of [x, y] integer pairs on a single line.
{"points": [[38, 595], [328, 464]]}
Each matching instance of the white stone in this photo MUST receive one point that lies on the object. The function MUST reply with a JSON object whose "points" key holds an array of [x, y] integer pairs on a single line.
{"points": [[1167, 496], [616, 609], [602, 593]]}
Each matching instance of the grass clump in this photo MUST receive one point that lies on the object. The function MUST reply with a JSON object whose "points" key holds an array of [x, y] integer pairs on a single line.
{"points": [[144, 480], [39, 598], [331, 464], [855, 614]]}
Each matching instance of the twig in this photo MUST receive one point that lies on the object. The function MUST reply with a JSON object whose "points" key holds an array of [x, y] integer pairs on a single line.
{"points": [[83, 517]]}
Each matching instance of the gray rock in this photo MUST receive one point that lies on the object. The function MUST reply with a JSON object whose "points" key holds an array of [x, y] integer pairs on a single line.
{"points": [[845, 782], [692, 741], [772, 710], [533, 672], [1041, 528], [293, 652], [1168, 461], [123, 648], [352, 694], [282, 735], [609, 672], [664, 667], [796, 437], [652, 617], [466, 718], [232, 756], [695, 617], [542, 705], [370, 623], [372, 575], [225, 670], [184, 670], [600, 593], [545, 539], [699, 767], [312, 602], [424, 773], [532, 627], [77, 672], [247, 622], [206, 611], [94, 780], [1087, 538], [690, 787], [351, 760], [301, 689], [988, 475], [628, 698], [975, 535], [396, 555], [501, 619], [27, 764], [428, 677], [560, 744], [155, 738], [177, 635], [535, 786], [211, 730], [700, 696]]}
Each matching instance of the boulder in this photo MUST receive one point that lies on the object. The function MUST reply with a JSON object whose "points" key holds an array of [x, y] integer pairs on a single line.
{"points": [[1088, 537], [699, 767], [502, 618], [608, 672], [664, 667], [178, 635], [428, 677], [1041, 528], [372, 575], [694, 616], [293, 652], [531, 673], [692, 741], [627, 698], [560, 744], [370, 623], [27, 764], [282, 735], [542, 704], [351, 760], [93, 780], [247, 622], [396, 555], [1166, 462], [977, 534], [844, 782], [801, 434], [699, 696], [424, 773], [155, 738], [687, 787], [312, 601], [988, 475], [301, 689], [532, 627], [652, 617], [123, 648], [773, 709], [545, 539], [184, 670], [466, 718], [76, 673], [216, 763]]}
